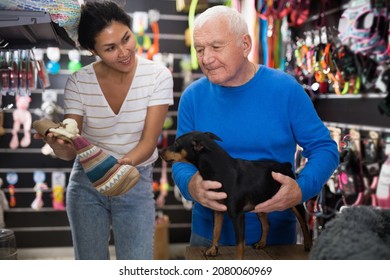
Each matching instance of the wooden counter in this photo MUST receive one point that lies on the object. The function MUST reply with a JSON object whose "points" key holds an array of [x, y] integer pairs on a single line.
{"points": [[279, 252]]}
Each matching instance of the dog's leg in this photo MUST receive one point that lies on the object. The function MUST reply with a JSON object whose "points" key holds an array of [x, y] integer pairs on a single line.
{"points": [[263, 217], [239, 228], [299, 212], [218, 219]]}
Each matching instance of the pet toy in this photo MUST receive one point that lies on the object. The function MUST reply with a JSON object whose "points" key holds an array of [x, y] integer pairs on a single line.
{"points": [[41, 68], [74, 63], [103, 170], [164, 184], [154, 17], [54, 55], [49, 110], [191, 19], [21, 116], [25, 73], [12, 179], [39, 188], [58, 183], [15, 67], [140, 24]]}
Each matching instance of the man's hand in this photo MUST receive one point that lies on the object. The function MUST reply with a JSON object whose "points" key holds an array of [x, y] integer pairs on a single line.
{"points": [[289, 195], [205, 193]]}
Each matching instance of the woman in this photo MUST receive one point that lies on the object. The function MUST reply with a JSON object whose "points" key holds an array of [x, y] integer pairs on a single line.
{"points": [[119, 103]]}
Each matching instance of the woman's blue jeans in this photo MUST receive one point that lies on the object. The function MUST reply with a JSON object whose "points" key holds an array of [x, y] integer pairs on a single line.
{"points": [[131, 217]]}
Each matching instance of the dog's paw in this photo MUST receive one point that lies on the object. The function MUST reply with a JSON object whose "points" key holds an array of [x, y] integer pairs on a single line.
{"points": [[259, 245], [307, 246], [212, 251]]}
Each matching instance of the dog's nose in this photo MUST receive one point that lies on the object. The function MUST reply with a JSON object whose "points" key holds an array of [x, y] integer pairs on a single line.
{"points": [[161, 154]]}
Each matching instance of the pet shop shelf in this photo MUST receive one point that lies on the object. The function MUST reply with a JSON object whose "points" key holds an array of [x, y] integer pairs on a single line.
{"points": [[19, 18], [27, 29], [352, 110], [352, 96]]}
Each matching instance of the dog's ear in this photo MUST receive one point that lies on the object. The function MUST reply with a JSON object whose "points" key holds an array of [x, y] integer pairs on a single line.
{"points": [[199, 142], [213, 136], [197, 145]]}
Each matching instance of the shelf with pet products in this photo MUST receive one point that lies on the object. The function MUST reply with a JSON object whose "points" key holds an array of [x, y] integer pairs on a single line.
{"points": [[46, 191], [335, 60], [368, 95], [22, 18], [31, 29], [379, 129]]}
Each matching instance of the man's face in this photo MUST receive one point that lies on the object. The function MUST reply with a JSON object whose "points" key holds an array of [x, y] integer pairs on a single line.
{"points": [[221, 53]]}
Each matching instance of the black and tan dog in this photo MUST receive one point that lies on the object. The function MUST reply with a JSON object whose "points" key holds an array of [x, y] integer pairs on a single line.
{"points": [[246, 183]]}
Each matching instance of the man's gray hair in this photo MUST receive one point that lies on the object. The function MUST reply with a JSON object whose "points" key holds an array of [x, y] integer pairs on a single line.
{"points": [[236, 21]]}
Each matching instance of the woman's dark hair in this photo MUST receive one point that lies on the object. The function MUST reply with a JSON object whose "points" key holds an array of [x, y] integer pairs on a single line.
{"points": [[95, 16]]}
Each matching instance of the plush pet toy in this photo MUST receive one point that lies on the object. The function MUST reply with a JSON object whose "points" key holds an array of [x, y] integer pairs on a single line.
{"points": [[21, 116], [105, 173], [49, 110]]}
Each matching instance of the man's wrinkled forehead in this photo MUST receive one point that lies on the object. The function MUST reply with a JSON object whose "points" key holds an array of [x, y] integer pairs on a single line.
{"points": [[212, 35]]}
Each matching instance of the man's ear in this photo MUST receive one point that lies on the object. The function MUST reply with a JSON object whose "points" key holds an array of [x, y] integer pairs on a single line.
{"points": [[246, 44]]}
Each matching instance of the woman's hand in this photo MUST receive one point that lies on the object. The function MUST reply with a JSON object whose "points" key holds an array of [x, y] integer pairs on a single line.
{"points": [[62, 149]]}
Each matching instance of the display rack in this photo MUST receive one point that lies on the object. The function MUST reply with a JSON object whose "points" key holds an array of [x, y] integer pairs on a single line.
{"points": [[27, 29]]}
